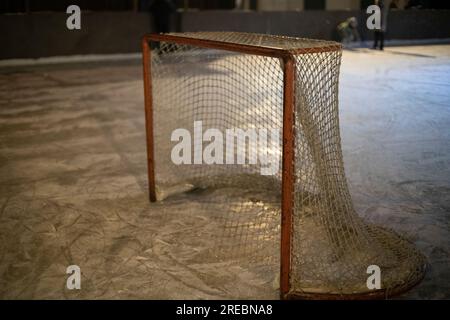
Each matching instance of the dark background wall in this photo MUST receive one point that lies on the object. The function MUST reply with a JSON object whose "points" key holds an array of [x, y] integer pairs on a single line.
{"points": [[402, 24], [45, 34], [27, 6]]}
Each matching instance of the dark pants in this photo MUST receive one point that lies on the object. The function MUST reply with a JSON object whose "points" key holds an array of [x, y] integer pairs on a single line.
{"points": [[379, 36], [161, 23]]}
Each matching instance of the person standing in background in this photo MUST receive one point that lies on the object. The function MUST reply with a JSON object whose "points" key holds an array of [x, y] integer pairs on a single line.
{"points": [[380, 33], [161, 11], [348, 31]]}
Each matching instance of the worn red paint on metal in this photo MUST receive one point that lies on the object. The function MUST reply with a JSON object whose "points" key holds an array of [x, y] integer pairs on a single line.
{"points": [[146, 64]]}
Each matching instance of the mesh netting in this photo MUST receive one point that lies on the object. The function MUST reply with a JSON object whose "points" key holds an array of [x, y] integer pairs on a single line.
{"points": [[331, 246]]}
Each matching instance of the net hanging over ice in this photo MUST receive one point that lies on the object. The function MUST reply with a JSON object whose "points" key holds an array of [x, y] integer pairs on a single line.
{"points": [[331, 246]]}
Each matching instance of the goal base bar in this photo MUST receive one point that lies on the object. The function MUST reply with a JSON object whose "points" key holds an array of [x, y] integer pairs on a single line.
{"points": [[368, 295]]}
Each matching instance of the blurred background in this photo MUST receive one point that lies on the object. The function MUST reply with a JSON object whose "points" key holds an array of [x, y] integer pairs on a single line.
{"points": [[36, 28]]}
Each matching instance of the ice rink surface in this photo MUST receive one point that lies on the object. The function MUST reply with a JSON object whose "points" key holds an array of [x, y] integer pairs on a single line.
{"points": [[73, 179]]}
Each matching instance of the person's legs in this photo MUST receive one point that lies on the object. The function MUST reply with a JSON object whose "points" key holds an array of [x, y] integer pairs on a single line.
{"points": [[341, 35], [381, 40], [165, 24], [376, 36], [157, 29], [347, 36], [159, 25]]}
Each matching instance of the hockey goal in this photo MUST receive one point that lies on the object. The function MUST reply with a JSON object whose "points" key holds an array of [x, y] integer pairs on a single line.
{"points": [[268, 84]]}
